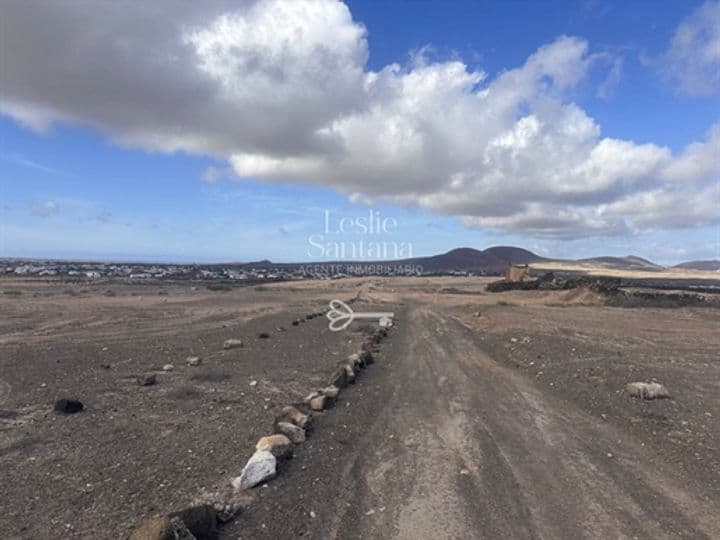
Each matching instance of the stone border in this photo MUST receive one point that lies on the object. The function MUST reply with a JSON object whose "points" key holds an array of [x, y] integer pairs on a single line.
{"points": [[201, 519]]}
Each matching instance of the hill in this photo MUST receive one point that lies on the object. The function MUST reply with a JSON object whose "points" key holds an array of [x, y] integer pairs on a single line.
{"points": [[514, 255], [491, 260], [710, 265], [629, 262]]}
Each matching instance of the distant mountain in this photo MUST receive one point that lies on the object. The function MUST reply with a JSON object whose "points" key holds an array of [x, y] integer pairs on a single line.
{"points": [[491, 260], [629, 262], [711, 265], [514, 255]]}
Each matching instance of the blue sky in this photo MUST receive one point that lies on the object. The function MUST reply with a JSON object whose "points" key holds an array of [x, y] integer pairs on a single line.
{"points": [[130, 170]]}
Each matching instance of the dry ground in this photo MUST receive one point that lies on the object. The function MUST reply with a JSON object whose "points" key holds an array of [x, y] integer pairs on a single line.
{"points": [[595, 269], [512, 423]]}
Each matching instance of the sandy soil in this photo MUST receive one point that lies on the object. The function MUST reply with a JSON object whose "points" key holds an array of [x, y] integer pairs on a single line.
{"points": [[508, 423]]}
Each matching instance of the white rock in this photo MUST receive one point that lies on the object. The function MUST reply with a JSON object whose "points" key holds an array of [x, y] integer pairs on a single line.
{"points": [[386, 322], [647, 390], [232, 343], [259, 468], [193, 361], [168, 367]]}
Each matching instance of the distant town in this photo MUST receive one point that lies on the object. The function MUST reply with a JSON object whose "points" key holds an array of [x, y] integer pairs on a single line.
{"points": [[260, 271], [141, 271]]}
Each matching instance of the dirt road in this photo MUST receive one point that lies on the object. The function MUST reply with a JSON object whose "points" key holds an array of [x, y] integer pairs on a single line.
{"points": [[457, 445]]}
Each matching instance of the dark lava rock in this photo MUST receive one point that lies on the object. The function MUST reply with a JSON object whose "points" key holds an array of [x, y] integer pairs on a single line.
{"points": [[367, 358], [263, 335], [380, 335], [68, 406], [339, 377], [147, 380]]}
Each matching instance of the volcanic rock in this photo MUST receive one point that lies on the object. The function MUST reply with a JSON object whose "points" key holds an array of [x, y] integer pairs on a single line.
{"points": [[147, 379], [68, 406]]}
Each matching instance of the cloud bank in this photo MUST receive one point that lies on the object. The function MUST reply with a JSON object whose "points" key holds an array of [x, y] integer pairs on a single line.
{"points": [[281, 90]]}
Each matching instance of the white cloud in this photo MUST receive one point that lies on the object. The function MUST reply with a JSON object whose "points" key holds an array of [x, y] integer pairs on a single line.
{"points": [[692, 61], [280, 89], [201, 77]]}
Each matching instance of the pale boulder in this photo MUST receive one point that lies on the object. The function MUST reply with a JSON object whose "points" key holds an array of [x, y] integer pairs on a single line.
{"points": [[262, 466], [647, 390], [232, 343]]}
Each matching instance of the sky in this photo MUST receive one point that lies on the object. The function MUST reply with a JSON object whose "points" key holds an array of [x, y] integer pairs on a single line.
{"points": [[275, 129]]}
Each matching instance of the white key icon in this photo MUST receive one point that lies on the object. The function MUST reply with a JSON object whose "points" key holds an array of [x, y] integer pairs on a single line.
{"points": [[341, 316]]}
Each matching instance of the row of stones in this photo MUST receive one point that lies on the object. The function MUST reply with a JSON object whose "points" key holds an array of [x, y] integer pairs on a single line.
{"points": [[291, 426], [201, 519]]}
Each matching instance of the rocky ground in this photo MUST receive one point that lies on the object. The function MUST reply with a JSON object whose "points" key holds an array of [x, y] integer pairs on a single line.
{"points": [[484, 415]]}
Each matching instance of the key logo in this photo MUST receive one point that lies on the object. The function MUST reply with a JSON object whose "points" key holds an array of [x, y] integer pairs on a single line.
{"points": [[341, 316]]}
